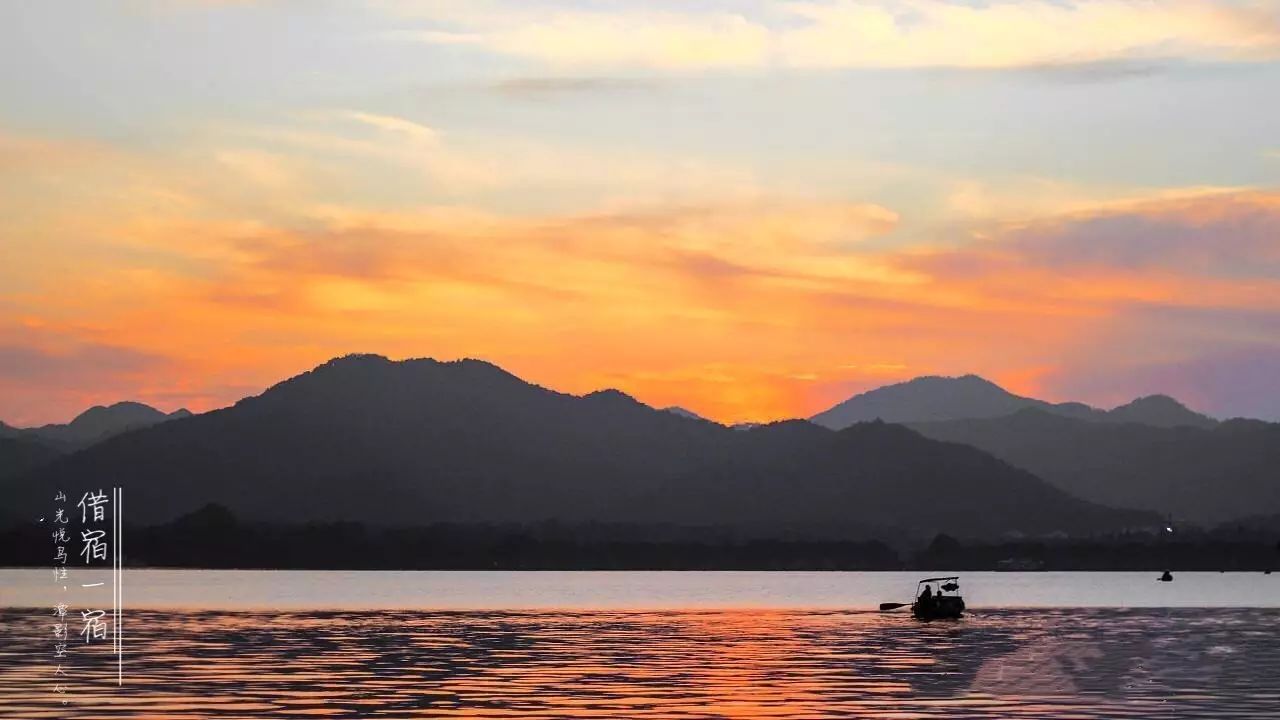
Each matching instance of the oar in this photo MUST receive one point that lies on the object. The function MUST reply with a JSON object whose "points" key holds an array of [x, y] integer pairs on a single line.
{"points": [[886, 607]]}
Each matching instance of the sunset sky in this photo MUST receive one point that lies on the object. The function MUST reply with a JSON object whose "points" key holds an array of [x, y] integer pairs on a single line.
{"points": [[750, 209]]}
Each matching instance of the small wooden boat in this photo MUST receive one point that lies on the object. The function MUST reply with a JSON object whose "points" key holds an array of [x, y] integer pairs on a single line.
{"points": [[938, 599]]}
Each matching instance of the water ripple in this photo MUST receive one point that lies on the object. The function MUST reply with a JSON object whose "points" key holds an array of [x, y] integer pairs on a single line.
{"points": [[701, 664]]}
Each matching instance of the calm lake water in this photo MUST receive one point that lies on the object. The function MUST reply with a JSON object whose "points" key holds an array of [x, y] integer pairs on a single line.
{"points": [[651, 645]]}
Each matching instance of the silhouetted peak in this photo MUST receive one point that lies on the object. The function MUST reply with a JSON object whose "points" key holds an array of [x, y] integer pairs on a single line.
{"points": [[781, 437], [353, 365], [180, 413], [1246, 425], [369, 370], [95, 424], [969, 379], [782, 427], [923, 399], [355, 360], [1161, 411], [121, 410], [343, 366], [474, 368], [677, 410], [1077, 410], [611, 396], [100, 421], [877, 429], [370, 362], [973, 380], [471, 364], [969, 382], [1155, 401]]}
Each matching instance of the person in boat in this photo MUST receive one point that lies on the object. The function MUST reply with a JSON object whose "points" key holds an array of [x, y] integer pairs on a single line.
{"points": [[926, 597]]}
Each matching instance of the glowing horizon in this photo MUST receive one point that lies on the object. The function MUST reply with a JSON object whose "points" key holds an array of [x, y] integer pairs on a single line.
{"points": [[752, 210]]}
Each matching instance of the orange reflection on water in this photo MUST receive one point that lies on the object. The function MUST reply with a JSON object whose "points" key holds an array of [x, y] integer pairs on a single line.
{"points": [[673, 665]]}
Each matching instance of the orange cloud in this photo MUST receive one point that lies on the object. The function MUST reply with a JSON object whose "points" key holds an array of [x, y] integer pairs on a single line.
{"points": [[750, 308]]}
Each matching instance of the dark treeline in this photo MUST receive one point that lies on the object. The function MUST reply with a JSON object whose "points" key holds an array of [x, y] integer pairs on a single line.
{"points": [[213, 538], [1218, 550]]}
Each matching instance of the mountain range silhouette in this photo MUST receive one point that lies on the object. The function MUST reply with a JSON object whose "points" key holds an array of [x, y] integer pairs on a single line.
{"points": [[368, 439], [932, 398], [94, 425], [1205, 475]]}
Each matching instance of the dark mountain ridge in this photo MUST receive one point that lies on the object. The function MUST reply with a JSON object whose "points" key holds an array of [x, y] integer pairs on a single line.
{"points": [[880, 479], [95, 424], [421, 441], [934, 399], [362, 437], [1205, 475]]}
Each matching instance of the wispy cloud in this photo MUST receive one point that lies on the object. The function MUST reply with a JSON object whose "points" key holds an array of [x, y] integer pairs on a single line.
{"points": [[531, 87], [1221, 234], [872, 33], [1100, 71], [390, 123]]}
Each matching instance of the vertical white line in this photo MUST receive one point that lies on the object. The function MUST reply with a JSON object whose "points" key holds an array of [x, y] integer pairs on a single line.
{"points": [[115, 553], [115, 565], [120, 591]]}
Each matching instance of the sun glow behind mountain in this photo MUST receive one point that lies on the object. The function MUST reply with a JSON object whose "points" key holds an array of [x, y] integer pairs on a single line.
{"points": [[751, 212]]}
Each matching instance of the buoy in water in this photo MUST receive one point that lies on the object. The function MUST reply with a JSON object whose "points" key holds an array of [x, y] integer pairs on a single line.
{"points": [[1166, 577]]}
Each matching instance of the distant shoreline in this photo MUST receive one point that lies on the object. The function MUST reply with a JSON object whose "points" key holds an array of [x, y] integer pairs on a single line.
{"points": [[217, 541], [671, 570]]}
